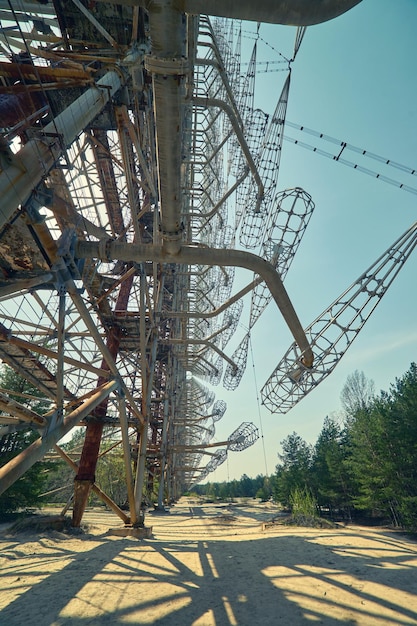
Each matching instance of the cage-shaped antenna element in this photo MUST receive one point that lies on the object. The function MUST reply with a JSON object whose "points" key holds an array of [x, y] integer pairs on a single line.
{"points": [[219, 409], [243, 437], [218, 458]]}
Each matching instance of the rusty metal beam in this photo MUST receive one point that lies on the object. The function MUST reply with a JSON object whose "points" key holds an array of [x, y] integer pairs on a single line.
{"points": [[21, 411], [40, 73], [86, 469], [107, 179], [95, 488], [15, 468]]}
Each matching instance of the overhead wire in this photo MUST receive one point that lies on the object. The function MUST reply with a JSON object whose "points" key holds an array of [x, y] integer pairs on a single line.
{"points": [[258, 404], [343, 147]]}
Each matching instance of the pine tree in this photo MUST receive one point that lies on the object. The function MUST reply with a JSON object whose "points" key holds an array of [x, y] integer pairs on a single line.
{"points": [[25, 491], [330, 476], [294, 470]]}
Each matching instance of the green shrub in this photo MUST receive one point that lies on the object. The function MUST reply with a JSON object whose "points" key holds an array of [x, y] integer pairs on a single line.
{"points": [[303, 507]]}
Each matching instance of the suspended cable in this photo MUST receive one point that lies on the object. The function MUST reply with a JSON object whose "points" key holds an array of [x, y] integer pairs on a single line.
{"points": [[344, 146], [258, 404], [298, 39]]}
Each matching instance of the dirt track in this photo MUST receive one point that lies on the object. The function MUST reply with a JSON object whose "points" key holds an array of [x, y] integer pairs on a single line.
{"points": [[208, 566]]}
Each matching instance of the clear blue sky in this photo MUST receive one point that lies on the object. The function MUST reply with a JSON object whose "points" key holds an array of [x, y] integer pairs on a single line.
{"points": [[354, 79]]}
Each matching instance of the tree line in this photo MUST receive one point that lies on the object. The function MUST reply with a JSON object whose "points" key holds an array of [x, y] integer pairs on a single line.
{"points": [[260, 487], [363, 463]]}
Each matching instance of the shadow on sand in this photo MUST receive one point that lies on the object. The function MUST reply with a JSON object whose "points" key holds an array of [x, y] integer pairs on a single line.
{"points": [[291, 579]]}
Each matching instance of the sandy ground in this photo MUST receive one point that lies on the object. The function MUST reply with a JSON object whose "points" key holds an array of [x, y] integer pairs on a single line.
{"points": [[208, 565]]}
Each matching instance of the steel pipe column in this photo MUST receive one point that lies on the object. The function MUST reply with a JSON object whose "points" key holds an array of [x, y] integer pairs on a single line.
{"points": [[38, 156], [168, 68]]}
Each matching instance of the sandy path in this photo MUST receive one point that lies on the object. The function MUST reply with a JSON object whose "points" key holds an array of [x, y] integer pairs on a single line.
{"points": [[208, 566]]}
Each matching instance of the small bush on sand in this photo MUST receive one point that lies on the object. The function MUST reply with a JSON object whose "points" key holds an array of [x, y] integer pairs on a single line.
{"points": [[303, 509]]}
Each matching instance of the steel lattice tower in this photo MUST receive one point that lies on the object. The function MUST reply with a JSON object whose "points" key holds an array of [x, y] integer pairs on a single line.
{"points": [[135, 176]]}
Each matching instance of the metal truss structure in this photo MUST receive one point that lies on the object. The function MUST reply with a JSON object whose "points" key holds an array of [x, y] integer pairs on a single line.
{"points": [[136, 174], [332, 333]]}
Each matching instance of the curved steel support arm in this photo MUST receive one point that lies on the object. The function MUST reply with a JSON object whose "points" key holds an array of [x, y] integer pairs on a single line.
{"points": [[293, 13], [115, 250]]}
